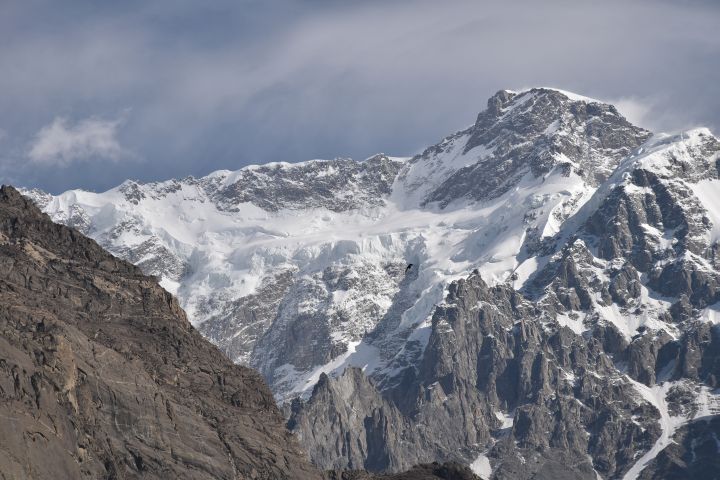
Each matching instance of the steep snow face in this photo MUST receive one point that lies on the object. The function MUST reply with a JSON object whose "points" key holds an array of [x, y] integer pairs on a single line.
{"points": [[300, 269]]}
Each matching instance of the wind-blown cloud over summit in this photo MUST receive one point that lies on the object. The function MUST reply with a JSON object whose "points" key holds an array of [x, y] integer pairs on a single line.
{"points": [[224, 84]]}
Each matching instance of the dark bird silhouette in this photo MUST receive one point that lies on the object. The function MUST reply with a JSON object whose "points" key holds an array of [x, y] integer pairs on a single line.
{"points": [[409, 267]]}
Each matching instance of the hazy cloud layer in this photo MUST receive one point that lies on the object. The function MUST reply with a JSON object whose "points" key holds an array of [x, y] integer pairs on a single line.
{"points": [[62, 143], [226, 83]]}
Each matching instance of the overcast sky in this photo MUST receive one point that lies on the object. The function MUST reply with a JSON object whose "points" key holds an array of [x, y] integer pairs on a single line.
{"points": [[93, 93]]}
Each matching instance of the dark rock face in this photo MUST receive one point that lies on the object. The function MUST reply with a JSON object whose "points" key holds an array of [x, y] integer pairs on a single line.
{"points": [[371, 425], [695, 454], [250, 315], [489, 356], [338, 185], [103, 377]]}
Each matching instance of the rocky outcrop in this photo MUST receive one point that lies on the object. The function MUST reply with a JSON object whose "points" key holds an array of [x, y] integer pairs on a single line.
{"points": [[371, 426], [236, 326], [695, 453], [103, 376], [314, 328]]}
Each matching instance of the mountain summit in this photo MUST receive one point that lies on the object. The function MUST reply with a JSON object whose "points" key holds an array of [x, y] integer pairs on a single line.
{"points": [[523, 133], [534, 295]]}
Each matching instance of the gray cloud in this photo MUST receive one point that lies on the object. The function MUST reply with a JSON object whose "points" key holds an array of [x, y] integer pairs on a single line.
{"points": [[223, 84]]}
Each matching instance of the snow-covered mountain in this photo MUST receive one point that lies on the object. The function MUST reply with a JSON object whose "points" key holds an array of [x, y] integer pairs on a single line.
{"points": [[539, 287], [259, 255]]}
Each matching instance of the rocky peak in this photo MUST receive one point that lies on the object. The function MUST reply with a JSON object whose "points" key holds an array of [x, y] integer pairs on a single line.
{"points": [[563, 129], [499, 102], [521, 135]]}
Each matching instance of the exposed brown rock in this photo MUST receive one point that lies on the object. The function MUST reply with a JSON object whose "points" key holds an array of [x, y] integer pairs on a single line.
{"points": [[104, 377]]}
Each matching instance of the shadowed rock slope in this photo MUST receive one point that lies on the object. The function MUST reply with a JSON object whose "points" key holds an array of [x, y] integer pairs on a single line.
{"points": [[103, 376]]}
